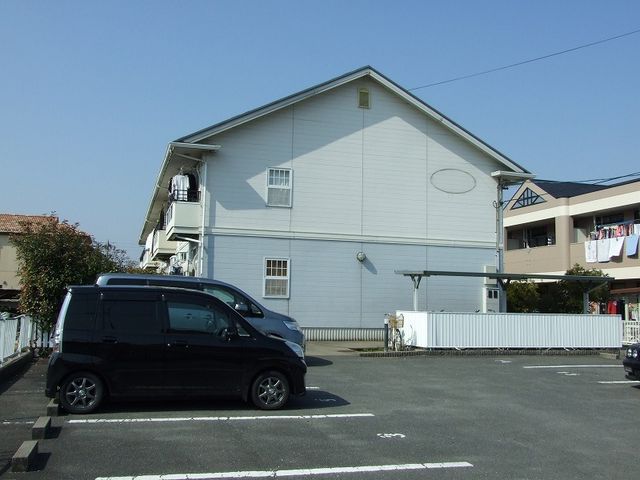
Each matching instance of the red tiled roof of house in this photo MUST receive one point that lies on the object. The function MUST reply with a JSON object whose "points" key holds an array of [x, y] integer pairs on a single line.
{"points": [[12, 223]]}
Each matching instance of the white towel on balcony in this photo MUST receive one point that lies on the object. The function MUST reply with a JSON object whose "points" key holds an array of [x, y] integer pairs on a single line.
{"points": [[590, 251], [615, 246], [632, 245], [603, 248]]}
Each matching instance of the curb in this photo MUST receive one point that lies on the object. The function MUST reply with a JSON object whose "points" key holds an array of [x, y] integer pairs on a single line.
{"points": [[25, 456], [41, 428], [53, 408]]}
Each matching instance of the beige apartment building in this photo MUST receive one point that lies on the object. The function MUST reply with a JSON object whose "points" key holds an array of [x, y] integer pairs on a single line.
{"points": [[9, 281], [550, 226]]}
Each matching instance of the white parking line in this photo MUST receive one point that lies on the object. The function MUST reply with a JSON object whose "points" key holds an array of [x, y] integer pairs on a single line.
{"points": [[299, 472], [621, 381], [572, 366], [12, 422], [216, 419]]}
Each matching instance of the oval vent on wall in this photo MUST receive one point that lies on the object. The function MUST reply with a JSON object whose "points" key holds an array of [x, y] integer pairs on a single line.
{"points": [[453, 180]]}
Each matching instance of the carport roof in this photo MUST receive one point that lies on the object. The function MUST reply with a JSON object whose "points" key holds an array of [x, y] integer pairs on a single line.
{"points": [[589, 281]]}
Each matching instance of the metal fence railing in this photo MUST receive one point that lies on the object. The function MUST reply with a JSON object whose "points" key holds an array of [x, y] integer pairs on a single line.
{"points": [[630, 332], [16, 333]]}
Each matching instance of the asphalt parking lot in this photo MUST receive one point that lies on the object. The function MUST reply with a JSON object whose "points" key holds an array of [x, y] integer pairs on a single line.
{"points": [[444, 417]]}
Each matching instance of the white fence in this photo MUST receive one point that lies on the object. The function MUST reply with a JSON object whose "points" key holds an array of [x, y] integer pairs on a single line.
{"points": [[15, 334], [510, 330]]}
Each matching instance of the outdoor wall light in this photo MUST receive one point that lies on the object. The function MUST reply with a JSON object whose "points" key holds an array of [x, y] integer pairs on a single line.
{"points": [[361, 257]]}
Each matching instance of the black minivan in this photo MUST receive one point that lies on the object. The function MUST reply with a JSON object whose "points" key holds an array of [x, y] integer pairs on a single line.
{"points": [[134, 341]]}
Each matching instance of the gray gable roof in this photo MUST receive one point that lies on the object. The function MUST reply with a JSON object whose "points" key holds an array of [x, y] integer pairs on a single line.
{"points": [[567, 189], [572, 189], [207, 132]]}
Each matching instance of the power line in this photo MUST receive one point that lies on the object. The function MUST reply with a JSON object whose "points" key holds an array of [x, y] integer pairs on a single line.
{"points": [[586, 45], [605, 180]]}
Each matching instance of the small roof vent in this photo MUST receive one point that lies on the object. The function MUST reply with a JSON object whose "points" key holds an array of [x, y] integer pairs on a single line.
{"points": [[363, 98]]}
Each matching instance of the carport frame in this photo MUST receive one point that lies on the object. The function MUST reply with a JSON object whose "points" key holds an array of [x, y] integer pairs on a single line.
{"points": [[588, 282]]}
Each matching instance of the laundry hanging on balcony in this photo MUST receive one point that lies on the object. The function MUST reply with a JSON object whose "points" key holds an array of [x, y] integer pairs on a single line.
{"points": [[179, 188], [590, 251], [603, 247], [615, 246], [632, 245], [607, 241]]}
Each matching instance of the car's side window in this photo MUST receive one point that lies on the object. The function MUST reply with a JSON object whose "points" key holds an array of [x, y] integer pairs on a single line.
{"points": [[198, 318], [130, 316], [221, 294], [81, 313], [236, 301]]}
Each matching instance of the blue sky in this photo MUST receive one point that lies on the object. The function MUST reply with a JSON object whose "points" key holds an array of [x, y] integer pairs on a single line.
{"points": [[92, 92]]}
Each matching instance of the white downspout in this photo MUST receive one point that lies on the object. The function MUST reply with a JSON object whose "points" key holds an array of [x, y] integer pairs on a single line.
{"points": [[203, 189]]}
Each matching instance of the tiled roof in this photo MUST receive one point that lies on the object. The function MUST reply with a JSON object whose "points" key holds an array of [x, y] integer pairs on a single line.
{"points": [[12, 223], [573, 189], [567, 189]]}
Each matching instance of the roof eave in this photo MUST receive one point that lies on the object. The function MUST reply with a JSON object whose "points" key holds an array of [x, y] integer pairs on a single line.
{"points": [[172, 147]]}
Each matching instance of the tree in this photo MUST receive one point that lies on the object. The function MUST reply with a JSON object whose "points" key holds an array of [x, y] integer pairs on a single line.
{"points": [[571, 293], [52, 255], [523, 297], [565, 296]]}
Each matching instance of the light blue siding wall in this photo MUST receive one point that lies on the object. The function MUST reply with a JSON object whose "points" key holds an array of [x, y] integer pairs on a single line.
{"points": [[330, 288], [363, 180], [395, 162], [236, 177], [355, 172], [468, 216], [327, 162]]}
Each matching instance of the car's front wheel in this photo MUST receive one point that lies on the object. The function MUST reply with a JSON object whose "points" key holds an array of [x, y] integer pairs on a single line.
{"points": [[81, 392], [270, 390]]}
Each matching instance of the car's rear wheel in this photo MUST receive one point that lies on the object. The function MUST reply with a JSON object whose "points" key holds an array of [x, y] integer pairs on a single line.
{"points": [[270, 390], [81, 392]]}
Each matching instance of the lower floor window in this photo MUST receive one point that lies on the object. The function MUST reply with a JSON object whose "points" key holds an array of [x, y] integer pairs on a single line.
{"points": [[276, 277]]}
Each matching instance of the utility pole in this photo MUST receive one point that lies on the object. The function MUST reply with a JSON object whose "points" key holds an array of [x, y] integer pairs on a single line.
{"points": [[503, 179]]}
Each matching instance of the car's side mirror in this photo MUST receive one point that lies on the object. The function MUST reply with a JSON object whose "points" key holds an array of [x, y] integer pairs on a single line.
{"points": [[242, 308]]}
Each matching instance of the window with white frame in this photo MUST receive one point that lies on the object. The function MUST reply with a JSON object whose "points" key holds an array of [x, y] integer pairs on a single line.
{"points": [[276, 277], [279, 187]]}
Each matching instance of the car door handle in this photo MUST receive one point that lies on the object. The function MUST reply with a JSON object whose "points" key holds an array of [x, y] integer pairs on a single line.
{"points": [[178, 343], [109, 339]]}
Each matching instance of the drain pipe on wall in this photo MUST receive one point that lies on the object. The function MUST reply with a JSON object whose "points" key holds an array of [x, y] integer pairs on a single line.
{"points": [[386, 332], [203, 189]]}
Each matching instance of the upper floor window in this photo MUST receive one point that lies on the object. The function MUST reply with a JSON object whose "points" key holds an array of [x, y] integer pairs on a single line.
{"points": [[279, 184], [528, 197]]}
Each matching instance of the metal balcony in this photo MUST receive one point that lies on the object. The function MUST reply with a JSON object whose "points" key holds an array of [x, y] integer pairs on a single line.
{"points": [[161, 247], [183, 219]]}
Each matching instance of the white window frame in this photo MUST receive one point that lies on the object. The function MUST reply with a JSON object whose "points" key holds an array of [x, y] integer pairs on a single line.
{"points": [[288, 187], [266, 277]]}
